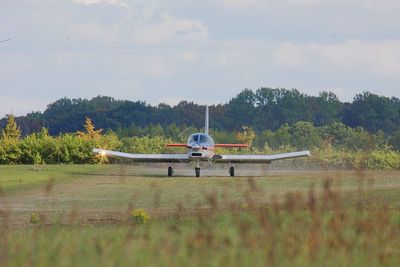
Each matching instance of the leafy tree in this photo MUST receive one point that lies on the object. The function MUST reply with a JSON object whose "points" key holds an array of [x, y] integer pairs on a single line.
{"points": [[247, 136], [90, 130], [266, 101], [9, 142], [241, 109], [282, 136], [373, 113], [264, 109], [145, 144], [326, 108], [292, 107], [394, 140], [304, 135], [11, 131]]}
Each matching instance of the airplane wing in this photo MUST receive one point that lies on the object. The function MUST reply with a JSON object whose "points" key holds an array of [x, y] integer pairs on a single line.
{"points": [[176, 158], [233, 145], [260, 158]]}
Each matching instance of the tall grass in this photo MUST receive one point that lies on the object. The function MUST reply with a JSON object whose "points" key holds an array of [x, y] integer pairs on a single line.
{"points": [[325, 227]]}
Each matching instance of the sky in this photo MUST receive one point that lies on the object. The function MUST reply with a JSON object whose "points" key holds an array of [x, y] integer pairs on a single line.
{"points": [[202, 51]]}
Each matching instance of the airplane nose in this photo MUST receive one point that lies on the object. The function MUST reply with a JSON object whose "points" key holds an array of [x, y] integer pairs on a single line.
{"points": [[196, 147]]}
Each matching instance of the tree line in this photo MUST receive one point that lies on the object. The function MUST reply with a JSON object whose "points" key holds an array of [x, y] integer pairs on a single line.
{"points": [[332, 146], [262, 109]]}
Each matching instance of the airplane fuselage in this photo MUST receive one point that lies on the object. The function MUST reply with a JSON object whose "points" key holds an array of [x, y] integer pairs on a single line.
{"points": [[200, 147]]}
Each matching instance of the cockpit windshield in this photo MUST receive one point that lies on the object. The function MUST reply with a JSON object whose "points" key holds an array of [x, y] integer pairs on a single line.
{"points": [[200, 138], [193, 138]]}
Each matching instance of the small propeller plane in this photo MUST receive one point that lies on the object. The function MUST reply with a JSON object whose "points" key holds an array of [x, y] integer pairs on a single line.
{"points": [[201, 148]]}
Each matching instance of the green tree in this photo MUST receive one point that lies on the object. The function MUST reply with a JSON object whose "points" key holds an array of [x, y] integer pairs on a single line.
{"points": [[241, 109], [11, 131], [304, 135], [247, 136], [373, 113], [326, 108], [394, 140]]}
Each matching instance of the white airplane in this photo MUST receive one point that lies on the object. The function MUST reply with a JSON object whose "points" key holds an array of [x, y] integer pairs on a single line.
{"points": [[201, 148]]}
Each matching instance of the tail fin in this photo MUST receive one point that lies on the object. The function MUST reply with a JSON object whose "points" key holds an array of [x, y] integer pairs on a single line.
{"points": [[206, 122]]}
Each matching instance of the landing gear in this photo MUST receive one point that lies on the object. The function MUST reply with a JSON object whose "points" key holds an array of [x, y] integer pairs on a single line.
{"points": [[197, 171], [232, 171], [170, 171]]}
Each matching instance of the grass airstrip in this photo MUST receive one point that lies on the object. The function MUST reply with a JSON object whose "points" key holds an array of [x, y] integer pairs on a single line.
{"points": [[277, 218]]}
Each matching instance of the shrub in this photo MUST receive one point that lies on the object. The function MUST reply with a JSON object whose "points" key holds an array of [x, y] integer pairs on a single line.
{"points": [[139, 216], [384, 159], [34, 219]]}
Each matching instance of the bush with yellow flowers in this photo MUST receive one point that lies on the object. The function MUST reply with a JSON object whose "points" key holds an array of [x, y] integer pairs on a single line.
{"points": [[34, 219], [139, 216]]}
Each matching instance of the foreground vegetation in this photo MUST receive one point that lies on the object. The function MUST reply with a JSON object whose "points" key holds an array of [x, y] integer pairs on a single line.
{"points": [[285, 219]]}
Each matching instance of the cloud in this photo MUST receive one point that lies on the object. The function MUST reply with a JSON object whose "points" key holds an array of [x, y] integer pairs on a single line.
{"points": [[109, 2], [381, 58], [238, 4], [289, 55], [206, 52], [188, 56], [241, 3], [372, 5], [170, 28]]}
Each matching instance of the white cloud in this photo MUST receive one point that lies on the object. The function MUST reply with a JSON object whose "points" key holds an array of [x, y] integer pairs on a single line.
{"points": [[93, 2], [168, 29], [207, 51], [381, 58], [272, 4], [381, 4], [156, 67], [238, 4], [289, 55], [188, 55], [242, 3]]}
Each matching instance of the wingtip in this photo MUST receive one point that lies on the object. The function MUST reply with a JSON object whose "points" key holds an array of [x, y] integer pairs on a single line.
{"points": [[102, 152]]}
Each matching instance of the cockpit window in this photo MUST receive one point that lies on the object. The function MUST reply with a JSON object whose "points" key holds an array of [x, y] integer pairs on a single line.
{"points": [[194, 138], [203, 138], [200, 138]]}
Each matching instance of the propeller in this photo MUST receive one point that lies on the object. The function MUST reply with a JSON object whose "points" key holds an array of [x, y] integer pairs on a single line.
{"points": [[197, 147]]}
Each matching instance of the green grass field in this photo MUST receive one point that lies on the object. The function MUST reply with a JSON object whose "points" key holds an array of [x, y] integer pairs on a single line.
{"points": [[281, 218]]}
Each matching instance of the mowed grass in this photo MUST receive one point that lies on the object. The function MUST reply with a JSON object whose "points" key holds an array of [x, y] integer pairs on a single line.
{"points": [[305, 218], [19, 177]]}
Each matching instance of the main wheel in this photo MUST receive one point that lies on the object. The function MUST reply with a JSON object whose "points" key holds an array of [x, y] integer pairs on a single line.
{"points": [[197, 172], [170, 171], [232, 171]]}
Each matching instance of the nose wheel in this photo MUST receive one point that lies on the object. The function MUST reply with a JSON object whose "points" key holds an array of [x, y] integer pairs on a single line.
{"points": [[197, 171], [232, 171], [170, 171]]}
